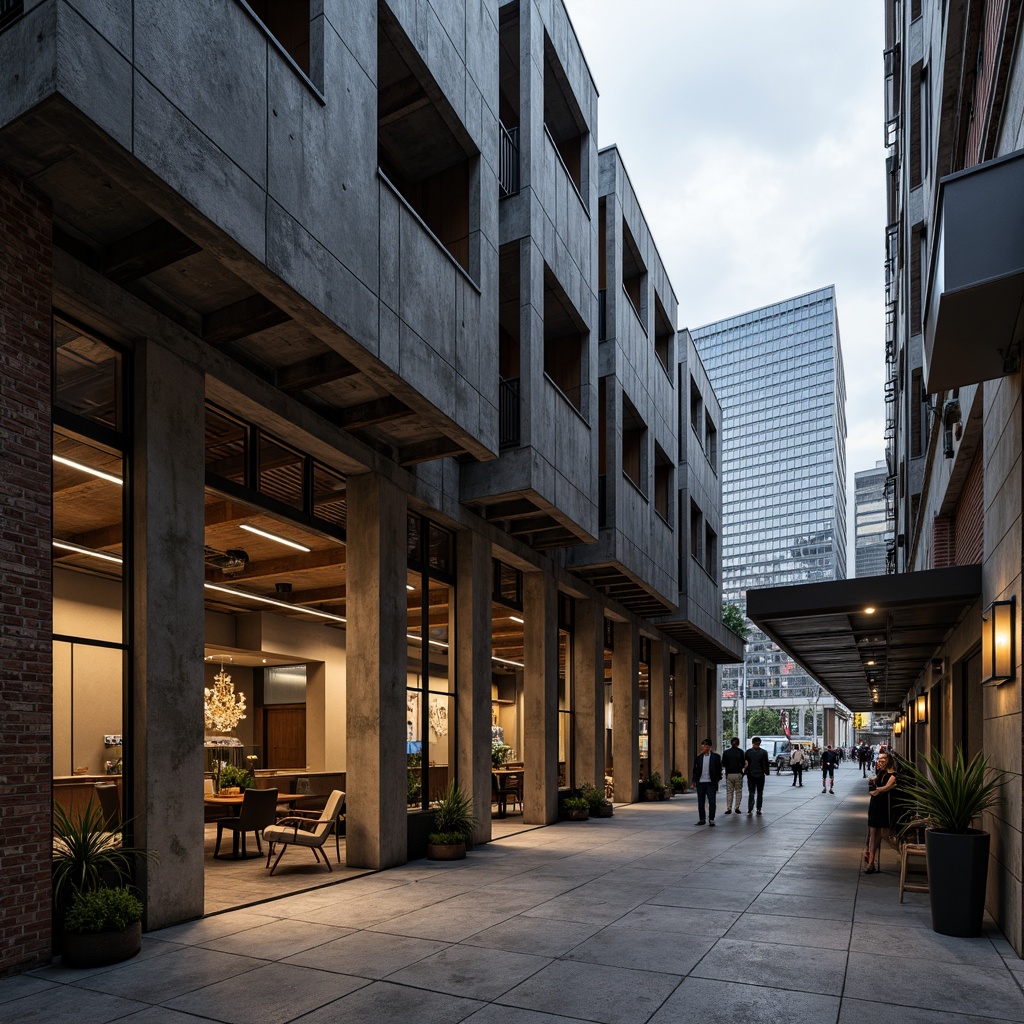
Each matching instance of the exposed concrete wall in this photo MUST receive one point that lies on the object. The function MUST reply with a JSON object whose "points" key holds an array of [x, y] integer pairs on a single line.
{"points": [[164, 740], [588, 671], [540, 699], [625, 715]]}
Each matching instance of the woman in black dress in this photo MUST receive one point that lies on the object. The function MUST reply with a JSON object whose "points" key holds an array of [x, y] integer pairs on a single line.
{"points": [[880, 809]]}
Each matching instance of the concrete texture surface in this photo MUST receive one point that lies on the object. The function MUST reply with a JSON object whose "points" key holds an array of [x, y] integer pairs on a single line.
{"points": [[640, 918]]}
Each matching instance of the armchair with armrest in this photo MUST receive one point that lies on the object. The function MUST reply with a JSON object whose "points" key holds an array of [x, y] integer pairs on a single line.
{"points": [[310, 829]]}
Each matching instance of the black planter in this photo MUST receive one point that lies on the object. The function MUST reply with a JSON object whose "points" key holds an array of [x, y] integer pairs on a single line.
{"points": [[98, 949], [957, 877]]}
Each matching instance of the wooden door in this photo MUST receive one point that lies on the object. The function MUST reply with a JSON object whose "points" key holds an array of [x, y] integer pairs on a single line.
{"points": [[285, 727]]}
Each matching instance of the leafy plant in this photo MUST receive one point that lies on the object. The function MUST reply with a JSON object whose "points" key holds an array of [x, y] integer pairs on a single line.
{"points": [[445, 838], [575, 803], [593, 796], [454, 813], [734, 619], [230, 775], [678, 782], [103, 910], [501, 754], [656, 782], [952, 792], [86, 857]]}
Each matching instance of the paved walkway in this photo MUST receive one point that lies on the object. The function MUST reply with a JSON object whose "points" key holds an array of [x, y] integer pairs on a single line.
{"points": [[643, 917]]}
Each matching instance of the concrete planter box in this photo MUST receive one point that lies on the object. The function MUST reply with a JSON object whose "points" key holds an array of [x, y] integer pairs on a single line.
{"points": [[98, 949]]}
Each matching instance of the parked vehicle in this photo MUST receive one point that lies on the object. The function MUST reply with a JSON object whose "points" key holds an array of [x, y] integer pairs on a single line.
{"points": [[779, 749]]}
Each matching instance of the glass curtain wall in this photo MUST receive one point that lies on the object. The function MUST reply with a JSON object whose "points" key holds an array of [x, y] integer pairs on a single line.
{"points": [[90, 566], [431, 740], [506, 665]]}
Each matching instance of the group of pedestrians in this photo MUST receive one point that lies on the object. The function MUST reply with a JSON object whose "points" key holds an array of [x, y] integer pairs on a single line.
{"points": [[753, 765], [736, 764]]}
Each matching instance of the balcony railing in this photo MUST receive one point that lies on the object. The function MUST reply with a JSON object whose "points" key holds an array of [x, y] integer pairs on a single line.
{"points": [[508, 160], [508, 412]]}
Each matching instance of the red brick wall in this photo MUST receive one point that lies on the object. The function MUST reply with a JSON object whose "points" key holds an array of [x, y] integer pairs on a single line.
{"points": [[942, 542], [26, 679]]}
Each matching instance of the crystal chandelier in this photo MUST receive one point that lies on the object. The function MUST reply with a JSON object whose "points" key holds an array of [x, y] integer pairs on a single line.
{"points": [[222, 708]]}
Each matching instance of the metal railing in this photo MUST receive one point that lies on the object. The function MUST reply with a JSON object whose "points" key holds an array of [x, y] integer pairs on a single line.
{"points": [[508, 160], [508, 412]]}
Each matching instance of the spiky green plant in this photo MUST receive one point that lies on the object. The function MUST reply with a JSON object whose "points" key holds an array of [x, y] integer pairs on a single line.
{"points": [[952, 792], [86, 856], [453, 813]]}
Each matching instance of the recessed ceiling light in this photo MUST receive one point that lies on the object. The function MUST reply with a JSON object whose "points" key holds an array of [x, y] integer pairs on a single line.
{"points": [[869, 610], [409, 586], [79, 550], [871, 662], [274, 536], [81, 467]]}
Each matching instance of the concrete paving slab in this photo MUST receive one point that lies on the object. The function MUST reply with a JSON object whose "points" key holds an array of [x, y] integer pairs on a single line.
{"points": [[382, 1001], [725, 1002], [365, 954], [473, 971], [807, 969], [541, 936]]}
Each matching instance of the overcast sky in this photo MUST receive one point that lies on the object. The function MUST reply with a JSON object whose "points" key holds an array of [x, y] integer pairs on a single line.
{"points": [[752, 132]]}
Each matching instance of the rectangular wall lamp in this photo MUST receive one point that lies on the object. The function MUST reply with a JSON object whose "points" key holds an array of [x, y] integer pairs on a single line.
{"points": [[921, 711], [999, 642]]}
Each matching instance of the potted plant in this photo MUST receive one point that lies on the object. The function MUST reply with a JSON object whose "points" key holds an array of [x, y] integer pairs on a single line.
{"points": [[102, 926], [576, 808], [501, 754], [88, 859], [453, 825], [654, 787], [679, 783], [597, 805], [952, 793], [231, 779]]}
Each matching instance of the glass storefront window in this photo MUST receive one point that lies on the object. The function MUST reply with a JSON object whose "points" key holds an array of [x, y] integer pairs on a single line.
{"points": [[281, 475], [88, 376]]}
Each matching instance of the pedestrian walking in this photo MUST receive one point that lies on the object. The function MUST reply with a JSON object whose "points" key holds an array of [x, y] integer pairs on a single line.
{"points": [[707, 773], [733, 761], [756, 772], [797, 759], [829, 760], [863, 757]]}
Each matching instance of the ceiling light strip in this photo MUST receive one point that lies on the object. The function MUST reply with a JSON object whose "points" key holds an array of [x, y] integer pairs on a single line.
{"points": [[79, 550], [274, 536], [88, 469], [277, 604]]}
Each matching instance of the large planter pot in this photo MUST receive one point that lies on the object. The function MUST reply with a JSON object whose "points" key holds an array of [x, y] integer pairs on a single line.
{"points": [[446, 851], [580, 815], [98, 949], [602, 811], [957, 876]]}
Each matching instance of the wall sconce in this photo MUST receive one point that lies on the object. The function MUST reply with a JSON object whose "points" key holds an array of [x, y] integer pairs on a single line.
{"points": [[897, 727], [999, 642], [921, 711]]}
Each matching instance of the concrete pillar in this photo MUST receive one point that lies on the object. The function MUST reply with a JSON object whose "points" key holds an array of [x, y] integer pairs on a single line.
{"points": [[588, 673], [472, 664], [684, 714], [625, 713], [376, 827], [540, 698], [658, 673], [164, 734]]}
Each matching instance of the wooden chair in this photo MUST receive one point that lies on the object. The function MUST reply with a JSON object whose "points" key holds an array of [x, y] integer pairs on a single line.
{"points": [[912, 844], [510, 790], [307, 829], [110, 805], [259, 809]]}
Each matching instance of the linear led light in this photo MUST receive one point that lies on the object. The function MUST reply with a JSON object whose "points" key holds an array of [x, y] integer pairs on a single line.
{"points": [[92, 471], [515, 618], [274, 536], [277, 604], [505, 661], [432, 643], [79, 550]]}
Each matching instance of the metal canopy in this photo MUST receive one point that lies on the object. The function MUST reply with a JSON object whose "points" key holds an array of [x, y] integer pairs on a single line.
{"points": [[867, 660]]}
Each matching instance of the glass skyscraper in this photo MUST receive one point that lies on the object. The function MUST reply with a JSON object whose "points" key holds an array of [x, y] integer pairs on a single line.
{"points": [[872, 529], [778, 373]]}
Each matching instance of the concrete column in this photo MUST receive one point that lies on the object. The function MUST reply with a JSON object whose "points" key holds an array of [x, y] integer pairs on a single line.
{"points": [[164, 734], [588, 673], [625, 713], [376, 827], [540, 698], [683, 754], [473, 671], [658, 672]]}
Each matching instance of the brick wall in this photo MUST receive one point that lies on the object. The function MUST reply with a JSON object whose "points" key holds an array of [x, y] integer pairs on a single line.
{"points": [[26, 684], [969, 533]]}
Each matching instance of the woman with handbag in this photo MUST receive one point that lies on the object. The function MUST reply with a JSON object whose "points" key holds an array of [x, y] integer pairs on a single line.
{"points": [[880, 809]]}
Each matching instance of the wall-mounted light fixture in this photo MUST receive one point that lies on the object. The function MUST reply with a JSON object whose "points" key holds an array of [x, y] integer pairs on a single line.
{"points": [[897, 727], [999, 642], [921, 711]]}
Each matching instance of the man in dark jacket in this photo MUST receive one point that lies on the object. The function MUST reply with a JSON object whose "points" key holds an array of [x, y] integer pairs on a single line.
{"points": [[829, 760], [733, 763], [757, 768], [707, 773]]}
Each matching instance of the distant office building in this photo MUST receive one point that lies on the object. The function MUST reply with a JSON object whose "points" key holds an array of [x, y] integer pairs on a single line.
{"points": [[871, 529], [778, 373]]}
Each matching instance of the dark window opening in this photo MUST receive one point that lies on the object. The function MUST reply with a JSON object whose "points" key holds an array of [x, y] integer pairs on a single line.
{"points": [[664, 334], [509, 425], [508, 98], [696, 407], [662, 483], [564, 335], [422, 148], [634, 276], [711, 441], [288, 22], [696, 532], [563, 118], [634, 435], [711, 552]]}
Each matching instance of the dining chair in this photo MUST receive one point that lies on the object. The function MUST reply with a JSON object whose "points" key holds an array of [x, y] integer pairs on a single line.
{"points": [[306, 828], [110, 805], [259, 809]]}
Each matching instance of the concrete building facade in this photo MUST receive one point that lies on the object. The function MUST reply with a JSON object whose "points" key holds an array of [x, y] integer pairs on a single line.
{"points": [[305, 385]]}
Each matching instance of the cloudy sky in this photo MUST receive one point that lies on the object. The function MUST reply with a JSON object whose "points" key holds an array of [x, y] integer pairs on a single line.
{"points": [[752, 133]]}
